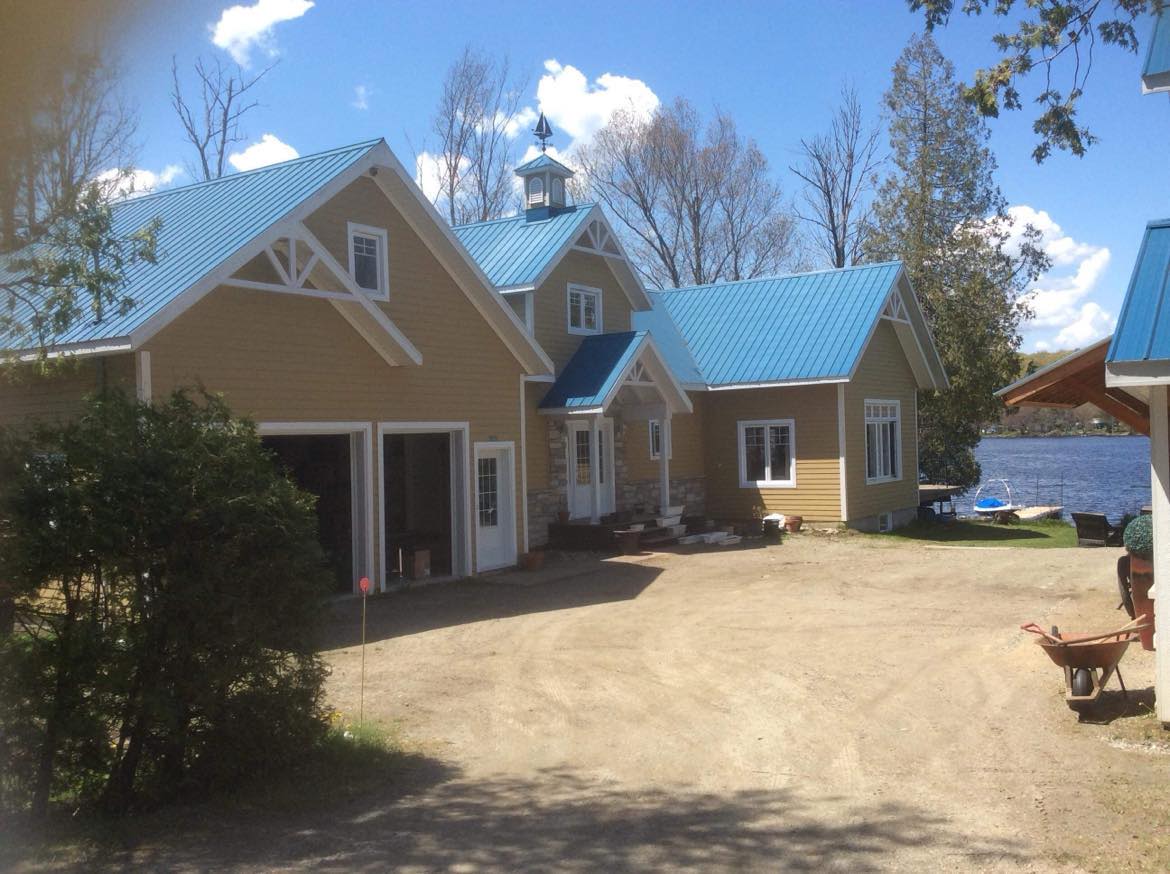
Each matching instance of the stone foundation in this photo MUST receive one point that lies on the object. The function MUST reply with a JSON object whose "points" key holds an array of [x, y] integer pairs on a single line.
{"points": [[691, 491]]}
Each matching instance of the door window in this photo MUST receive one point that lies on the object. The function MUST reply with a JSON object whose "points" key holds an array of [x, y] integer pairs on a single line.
{"points": [[487, 470]]}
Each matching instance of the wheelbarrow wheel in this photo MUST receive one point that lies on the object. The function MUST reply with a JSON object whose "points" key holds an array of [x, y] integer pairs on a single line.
{"points": [[1082, 682]]}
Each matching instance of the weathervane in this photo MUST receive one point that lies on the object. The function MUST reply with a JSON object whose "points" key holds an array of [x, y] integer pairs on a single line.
{"points": [[543, 132]]}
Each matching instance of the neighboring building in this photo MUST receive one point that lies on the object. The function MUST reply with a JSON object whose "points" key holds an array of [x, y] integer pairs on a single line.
{"points": [[454, 390]]}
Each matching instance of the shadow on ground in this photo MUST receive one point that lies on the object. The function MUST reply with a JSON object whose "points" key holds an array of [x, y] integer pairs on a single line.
{"points": [[573, 582], [1115, 704], [558, 821]]}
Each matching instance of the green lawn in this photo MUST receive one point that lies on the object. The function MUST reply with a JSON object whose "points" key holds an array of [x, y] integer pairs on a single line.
{"points": [[1044, 534]]}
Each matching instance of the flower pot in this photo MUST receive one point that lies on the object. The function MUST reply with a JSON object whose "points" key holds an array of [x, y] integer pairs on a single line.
{"points": [[532, 561], [792, 523], [563, 516], [1141, 578], [630, 542]]}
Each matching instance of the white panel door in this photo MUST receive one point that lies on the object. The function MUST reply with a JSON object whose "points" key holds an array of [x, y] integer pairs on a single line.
{"points": [[580, 463], [495, 506]]}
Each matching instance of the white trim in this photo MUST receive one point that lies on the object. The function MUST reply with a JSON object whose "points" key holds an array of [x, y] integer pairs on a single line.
{"points": [[75, 350], [524, 463], [841, 450], [741, 448], [583, 290], [509, 447], [364, 430], [784, 383], [901, 285], [1160, 494], [352, 229], [254, 285], [882, 420], [142, 376], [544, 377], [1128, 374], [461, 564]]}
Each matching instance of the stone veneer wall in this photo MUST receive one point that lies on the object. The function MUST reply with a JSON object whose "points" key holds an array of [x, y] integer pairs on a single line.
{"points": [[545, 504]]}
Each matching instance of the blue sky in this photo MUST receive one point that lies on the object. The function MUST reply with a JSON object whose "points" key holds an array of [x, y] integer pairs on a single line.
{"points": [[776, 67]]}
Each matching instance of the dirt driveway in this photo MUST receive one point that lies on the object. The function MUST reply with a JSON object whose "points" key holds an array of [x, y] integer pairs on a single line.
{"points": [[829, 704]]}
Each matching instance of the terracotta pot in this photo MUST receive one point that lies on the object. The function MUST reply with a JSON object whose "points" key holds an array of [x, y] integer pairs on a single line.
{"points": [[792, 523], [532, 561], [563, 516], [630, 542], [1141, 578]]}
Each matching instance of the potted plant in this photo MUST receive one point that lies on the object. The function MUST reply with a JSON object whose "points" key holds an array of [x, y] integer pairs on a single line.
{"points": [[1139, 543], [563, 515], [532, 561]]}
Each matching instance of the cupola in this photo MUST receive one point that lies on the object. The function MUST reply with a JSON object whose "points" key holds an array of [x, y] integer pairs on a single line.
{"points": [[545, 179]]}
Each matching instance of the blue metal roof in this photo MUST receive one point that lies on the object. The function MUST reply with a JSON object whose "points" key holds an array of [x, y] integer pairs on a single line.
{"points": [[593, 371], [202, 225], [675, 351], [1156, 72], [514, 251], [540, 162], [1143, 329], [800, 327]]}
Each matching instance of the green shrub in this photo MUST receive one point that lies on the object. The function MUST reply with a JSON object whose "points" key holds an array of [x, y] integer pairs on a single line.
{"points": [[166, 582], [1139, 537]]}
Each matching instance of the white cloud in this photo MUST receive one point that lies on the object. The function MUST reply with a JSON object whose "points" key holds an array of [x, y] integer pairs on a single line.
{"points": [[137, 181], [361, 97], [243, 28], [1063, 315], [522, 122], [270, 150], [580, 108], [427, 174]]}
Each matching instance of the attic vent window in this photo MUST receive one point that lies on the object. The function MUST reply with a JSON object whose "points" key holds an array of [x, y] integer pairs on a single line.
{"points": [[368, 260], [535, 191]]}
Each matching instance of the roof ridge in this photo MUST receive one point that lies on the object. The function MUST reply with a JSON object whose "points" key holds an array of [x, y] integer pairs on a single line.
{"points": [[520, 216], [724, 284], [367, 144]]}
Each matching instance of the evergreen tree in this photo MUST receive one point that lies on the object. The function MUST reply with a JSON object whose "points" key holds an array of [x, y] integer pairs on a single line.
{"points": [[942, 214]]}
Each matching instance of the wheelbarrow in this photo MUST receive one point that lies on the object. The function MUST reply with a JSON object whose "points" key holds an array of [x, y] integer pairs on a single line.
{"points": [[1088, 660]]}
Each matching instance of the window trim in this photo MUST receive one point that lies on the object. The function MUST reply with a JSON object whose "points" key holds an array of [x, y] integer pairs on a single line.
{"points": [[744, 482], [867, 420], [650, 425], [583, 289], [355, 229]]}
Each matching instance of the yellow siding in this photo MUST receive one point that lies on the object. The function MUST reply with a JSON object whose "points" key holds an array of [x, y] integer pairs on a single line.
{"points": [[28, 398], [884, 374], [539, 462], [817, 495], [687, 458], [291, 358], [550, 305]]}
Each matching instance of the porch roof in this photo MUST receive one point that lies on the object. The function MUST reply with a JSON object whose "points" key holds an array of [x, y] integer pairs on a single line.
{"points": [[1079, 379], [605, 363]]}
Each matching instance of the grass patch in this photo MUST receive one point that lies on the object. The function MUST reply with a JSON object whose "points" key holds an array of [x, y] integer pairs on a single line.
{"points": [[1042, 534]]}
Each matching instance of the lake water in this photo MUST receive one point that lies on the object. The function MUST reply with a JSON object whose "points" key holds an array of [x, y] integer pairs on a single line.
{"points": [[1108, 475]]}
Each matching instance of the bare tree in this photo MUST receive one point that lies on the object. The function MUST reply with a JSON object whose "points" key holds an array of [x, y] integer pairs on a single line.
{"points": [[212, 126], [56, 139], [696, 201], [476, 125], [839, 171]]}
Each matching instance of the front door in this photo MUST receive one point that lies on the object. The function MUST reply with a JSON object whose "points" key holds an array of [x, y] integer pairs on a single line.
{"points": [[495, 506], [580, 469]]}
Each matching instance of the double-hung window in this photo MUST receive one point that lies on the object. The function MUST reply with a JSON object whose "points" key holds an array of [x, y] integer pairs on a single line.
{"points": [[368, 260], [584, 310], [767, 457], [883, 446]]}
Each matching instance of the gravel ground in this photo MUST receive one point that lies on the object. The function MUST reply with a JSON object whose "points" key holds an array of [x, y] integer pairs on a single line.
{"points": [[832, 703]]}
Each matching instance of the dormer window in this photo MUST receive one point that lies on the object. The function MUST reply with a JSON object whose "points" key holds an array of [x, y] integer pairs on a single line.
{"points": [[584, 310], [535, 191], [368, 260]]}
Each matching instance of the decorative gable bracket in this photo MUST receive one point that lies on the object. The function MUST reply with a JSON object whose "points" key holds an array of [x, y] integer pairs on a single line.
{"points": [[597, 239], [895, 308]]}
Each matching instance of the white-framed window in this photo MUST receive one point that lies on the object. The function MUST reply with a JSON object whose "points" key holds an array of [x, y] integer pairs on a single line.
{"points": [[535, 191], [369, 260], [883, 443], [656, 441], [584, 310], [767, 454]]}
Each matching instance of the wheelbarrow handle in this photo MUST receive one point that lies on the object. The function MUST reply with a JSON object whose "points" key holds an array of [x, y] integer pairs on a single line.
{"points": [[1033, 628]]}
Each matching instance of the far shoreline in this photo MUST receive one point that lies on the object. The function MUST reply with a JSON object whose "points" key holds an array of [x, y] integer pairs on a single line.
{"points": [[1055, 436]]}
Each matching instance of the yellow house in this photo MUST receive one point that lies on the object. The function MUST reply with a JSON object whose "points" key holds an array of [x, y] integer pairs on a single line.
{"points": [[448, 393]]}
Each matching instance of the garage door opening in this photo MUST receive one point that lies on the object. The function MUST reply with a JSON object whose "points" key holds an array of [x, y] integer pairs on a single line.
{"points": [[418, 498], [329, 466]]}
